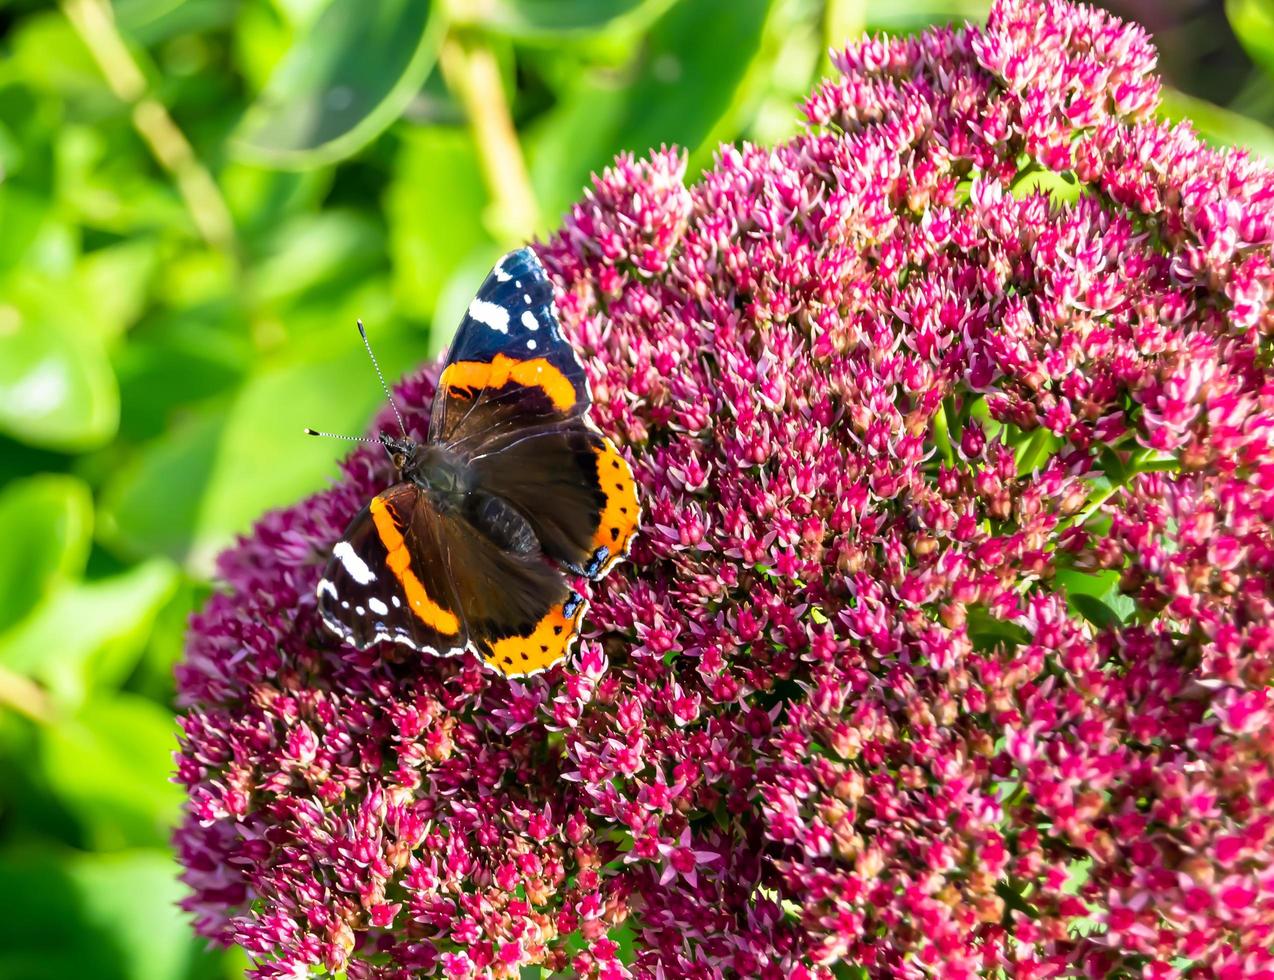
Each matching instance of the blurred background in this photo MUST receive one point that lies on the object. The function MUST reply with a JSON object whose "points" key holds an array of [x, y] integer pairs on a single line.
{"points": [[197, 199]]}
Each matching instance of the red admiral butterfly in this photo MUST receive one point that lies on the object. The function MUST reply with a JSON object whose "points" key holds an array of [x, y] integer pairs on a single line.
{"points": [[513, 490]]}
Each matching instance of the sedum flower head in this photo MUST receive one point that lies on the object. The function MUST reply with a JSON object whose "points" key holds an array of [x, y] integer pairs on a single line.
{"points": [[946, 648]]}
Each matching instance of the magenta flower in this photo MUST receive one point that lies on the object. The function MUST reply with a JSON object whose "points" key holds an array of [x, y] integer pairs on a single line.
{"points": [[946, 648]]}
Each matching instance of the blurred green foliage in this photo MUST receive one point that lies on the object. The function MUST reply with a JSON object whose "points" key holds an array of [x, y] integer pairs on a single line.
{"points": [[197, 199]]}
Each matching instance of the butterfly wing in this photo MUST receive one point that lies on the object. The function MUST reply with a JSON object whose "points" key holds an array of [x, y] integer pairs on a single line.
{"points": [[575, 489], [387, 578], [514, 399], [510, 368], [519, 612]]}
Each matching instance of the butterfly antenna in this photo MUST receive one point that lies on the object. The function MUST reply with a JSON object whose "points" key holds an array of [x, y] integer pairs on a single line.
{"points": [[333, 435], [376, 364]]}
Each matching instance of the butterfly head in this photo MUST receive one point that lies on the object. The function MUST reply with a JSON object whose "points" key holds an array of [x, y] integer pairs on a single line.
{"points": [[402, 450]]}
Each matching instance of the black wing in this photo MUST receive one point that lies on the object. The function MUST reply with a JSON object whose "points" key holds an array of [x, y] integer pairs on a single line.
{"points": [[518, 610], [510, 369], [387, 578], [575, 489]]}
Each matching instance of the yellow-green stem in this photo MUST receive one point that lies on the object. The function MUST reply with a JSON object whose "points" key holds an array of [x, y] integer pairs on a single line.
{"points": [[94, 22], [23, 696], [473, 75]]}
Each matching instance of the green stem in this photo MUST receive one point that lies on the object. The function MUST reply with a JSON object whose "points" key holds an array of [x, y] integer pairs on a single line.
{"points": [[94, 22], [473, 75], [23, 696]]}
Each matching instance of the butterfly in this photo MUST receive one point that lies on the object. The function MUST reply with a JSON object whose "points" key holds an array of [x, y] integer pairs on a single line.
{"points": [[513, 493]]}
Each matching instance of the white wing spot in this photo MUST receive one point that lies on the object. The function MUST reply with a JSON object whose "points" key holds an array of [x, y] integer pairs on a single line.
{"points": [[356, 567], [326, 588], [376, 606], [530, 344], [495, 317], [529, 321], [526, 298], [500, 274], [394, 600], [344, 605], [360, 610]]}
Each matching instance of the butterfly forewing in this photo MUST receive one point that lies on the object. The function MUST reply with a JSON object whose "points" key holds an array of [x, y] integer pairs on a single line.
{"points": [[387, 579], [509, 367]]}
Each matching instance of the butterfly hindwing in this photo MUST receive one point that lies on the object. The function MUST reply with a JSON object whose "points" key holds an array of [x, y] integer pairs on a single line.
{"points": [[386, 579], [510, 367], [519, 611], [575, 489]]}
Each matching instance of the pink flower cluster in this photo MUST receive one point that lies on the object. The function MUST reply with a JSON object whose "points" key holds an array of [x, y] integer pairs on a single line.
{"points": [[947, 646]]}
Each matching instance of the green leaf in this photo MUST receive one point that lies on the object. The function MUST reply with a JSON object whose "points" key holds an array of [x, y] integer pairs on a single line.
{"points": [[110, 767], [1253, 24], [1218, 126], [542, 19], [89, 635], [1061, 188], [46, 523], [109, 917], [22, 214], [902, 16], [114, 281], [435, 206], [1095, 596], [987, 631], [57, 389], [683, 88], [342, 83], [1037, 450], [1095, 611], [312, 250], [47, 55], [150, 22], [197, 486], [179, 360]]}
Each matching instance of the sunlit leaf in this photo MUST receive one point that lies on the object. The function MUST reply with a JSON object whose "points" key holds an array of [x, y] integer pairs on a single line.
{"points": [[683, 87], [1095, 596], [89, 635], [1253, 24], [57, 389], [46, 524], [312, 250], [987, 631], [902, 16], [1219, 126], [192, 490], [435, 206], [548, 18], [22, 213], [347, 78], [110, 766], [114, 282], [109, 917], [153, 21]]}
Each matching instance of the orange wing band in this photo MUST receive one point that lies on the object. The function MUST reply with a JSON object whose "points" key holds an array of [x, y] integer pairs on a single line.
{"points": [[622, 513], [546, 644], [497, 373], [399, 561]]}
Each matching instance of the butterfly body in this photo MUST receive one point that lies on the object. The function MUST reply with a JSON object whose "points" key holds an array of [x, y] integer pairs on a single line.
{"points": [[436, 470], [513, 492]]}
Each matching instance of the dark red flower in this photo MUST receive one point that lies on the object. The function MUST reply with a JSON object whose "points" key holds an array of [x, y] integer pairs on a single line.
{"points": [[946, 648]]}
